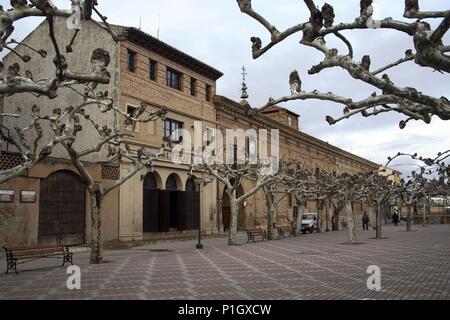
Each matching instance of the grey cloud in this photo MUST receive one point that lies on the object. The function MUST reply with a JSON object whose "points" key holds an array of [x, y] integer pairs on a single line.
{"points": [[218, 33]]}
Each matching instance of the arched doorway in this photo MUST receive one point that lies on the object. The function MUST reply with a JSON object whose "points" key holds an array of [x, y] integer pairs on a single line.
{"points": [[62, 208], [170, 209], [191, 205], [226, 212], [151, 217], [173, 200], [171, 183]]}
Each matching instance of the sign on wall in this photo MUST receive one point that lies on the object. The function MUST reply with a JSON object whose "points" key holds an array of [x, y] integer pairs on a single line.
{"points": [[28, 196], [7, 195]]}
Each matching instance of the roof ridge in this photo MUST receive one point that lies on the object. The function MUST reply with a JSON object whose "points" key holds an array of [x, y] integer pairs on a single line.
{"points": [[152, 43]]}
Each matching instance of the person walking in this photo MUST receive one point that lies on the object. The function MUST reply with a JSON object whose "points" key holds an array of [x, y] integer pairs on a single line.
{"points": [[365, 221], [395, 218]]}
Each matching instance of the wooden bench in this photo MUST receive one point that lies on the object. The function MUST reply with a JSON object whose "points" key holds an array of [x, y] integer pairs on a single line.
{"points": [[21, 255], [252, 234], [285, 232]]}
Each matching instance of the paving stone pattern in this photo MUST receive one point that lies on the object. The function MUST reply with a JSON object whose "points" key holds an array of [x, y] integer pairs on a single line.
{"points": [[414, 265]]}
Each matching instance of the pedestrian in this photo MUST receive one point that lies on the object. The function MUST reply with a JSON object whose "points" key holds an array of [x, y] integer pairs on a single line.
{"points": [[334, 223], [395, 218], [365, 221]]}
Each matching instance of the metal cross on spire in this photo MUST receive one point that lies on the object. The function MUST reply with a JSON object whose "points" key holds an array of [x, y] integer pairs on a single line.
{"points": [[244, 86]]}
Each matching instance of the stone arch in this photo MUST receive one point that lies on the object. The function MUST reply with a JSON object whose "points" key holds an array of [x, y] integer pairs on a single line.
{"points": [[152, 180], [174, 183], [190, 185], [150, 208], [62, 209]]}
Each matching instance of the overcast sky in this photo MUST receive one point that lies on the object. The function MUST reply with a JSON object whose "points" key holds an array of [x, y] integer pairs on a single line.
{"points": [[217, 33]]}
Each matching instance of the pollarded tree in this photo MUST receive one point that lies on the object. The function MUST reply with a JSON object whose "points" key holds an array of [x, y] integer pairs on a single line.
{"points": [[296, 179], [293, 179], [326, 190], [431, 178], [30, 149], [68, 124], [378, 190], [429, 51], [72, 123], [342, 188], [260, 174], [120, 151], [350, 189], [29, 140]]}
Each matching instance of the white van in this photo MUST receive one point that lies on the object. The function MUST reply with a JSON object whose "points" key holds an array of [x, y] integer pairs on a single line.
{"points": [[309, 222]]}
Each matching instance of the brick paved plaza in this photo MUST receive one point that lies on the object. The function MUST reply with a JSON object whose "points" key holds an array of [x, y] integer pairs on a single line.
{"points": [[414, 265]]}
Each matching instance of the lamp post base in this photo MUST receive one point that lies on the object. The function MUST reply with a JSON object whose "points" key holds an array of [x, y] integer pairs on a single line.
{"points": [[199, 246]]}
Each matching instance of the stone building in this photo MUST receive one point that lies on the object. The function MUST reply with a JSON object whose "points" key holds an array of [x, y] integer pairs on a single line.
{"points": [[158, 204], [143, 70], [293, 144]]}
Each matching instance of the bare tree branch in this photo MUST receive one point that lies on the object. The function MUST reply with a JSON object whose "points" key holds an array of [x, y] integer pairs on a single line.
{"points": [[430, 52]]}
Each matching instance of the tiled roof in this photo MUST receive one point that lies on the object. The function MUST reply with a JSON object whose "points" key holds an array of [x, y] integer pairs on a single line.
{"points": [[167, 51]]}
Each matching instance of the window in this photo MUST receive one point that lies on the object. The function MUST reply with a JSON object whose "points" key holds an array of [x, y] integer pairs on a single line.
{"points": [[131, 60], [173, 79], [152, 69], [317, 173], [251, 147], [290, 121], [171, 127], [193, 87], [208, 92], [209, 136], [131, 125]]}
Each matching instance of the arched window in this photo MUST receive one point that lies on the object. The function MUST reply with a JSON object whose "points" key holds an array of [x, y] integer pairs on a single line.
{"points": [[190, 185], [150, 182], [171, 183]]}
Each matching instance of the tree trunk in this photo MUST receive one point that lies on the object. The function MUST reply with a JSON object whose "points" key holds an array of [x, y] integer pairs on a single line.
{"points": [[301, 210], [319, 221], [96, 229], [424, 214], [270, 214], [336, 220], [408, 219], [320, 208], [337, 208], [350, 223], [378, 221], [234, 208]]}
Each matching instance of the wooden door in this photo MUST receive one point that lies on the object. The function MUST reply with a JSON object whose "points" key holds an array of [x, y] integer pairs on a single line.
{"points": [[226, 214], [62, 209]]}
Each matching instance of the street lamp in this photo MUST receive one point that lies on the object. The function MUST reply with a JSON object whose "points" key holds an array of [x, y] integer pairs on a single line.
{"points": [[199, 183]]}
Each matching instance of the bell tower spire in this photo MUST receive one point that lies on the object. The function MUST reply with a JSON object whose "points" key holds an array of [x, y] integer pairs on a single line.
{"points": [[244, 89]]}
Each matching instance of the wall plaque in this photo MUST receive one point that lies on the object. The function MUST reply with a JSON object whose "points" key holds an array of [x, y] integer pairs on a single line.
{"points": [[7, 195], [28, 196]]}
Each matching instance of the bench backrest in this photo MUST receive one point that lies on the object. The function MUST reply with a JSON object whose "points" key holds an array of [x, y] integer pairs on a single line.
{"points": [[32, 250], [255, 231]]}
